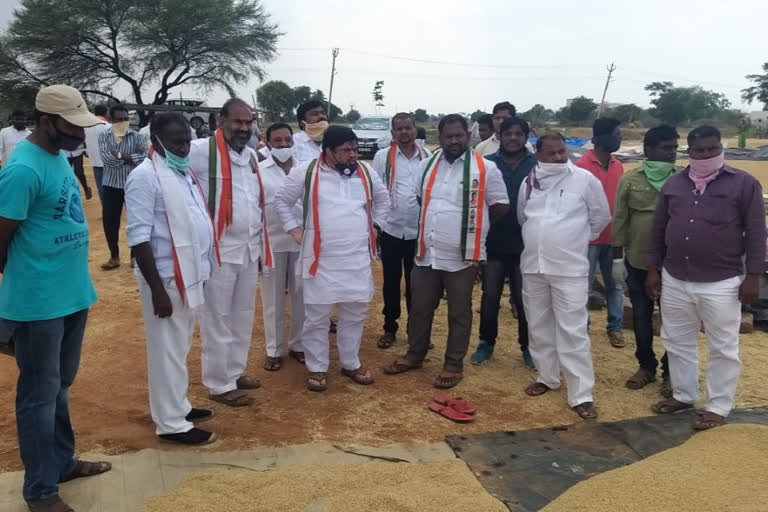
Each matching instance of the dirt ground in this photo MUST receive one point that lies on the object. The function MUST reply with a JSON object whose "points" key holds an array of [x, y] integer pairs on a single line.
{"points": [[110, 411]]}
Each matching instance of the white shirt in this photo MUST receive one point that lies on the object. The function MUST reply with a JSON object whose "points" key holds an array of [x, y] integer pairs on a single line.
{"points": [[273, 178], [489, 146], [403, 220], [241, 241], [148, 221], [344, 264], [9, 137], [559, 222], [92, 134], [442, 225], [304, 148]]}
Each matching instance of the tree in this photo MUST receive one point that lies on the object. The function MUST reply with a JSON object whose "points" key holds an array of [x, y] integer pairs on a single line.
{"points": [[581, 109], [626, 113], [477, 114], [538, 114], [420, 116], [759, 91], [335, 112], [378, 95], [302, 94], [679, 105], [353, 115], [96, 45], [277, 99]]}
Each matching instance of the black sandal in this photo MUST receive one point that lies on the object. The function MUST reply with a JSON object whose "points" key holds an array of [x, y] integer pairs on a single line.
{"points": [[272, 364]]}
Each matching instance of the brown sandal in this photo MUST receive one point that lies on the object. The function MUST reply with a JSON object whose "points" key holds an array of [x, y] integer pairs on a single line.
{"points": [[84, 469], [670, 406], [234, 398], [361, 376], [52, 504], [586, 411], [320, 378], [272, 364], [246, 382], [666, 387], [709, 420], [386, 340], [640, 379], [402, 366], [442, 382], [537, 389], [298, 356]]}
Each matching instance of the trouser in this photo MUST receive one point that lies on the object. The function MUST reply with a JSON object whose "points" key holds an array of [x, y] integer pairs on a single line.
{"points": [[273, 285], [396, 259], [168, 342], [427, 287], [684, 306], [557, 322], [642, 322], [493, 286], [48, 355], [98, 177], [77, 167], [226, 324], [602, 255], [112, 210], [351, 319]]}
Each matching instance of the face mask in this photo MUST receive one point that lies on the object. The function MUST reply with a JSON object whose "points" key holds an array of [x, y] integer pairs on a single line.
{"points": [[346, 169], [19, 126], [282, 154], [707, 167], [66, 142], [544, 170], [657, 173], [315, 131], [180, 163], [120, 129], [610, 143]]}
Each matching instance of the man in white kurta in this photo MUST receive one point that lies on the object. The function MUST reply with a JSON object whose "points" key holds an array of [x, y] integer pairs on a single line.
{"points": [[226, 320], [313, 122], [160, 193], [561, 208], [285, 255], [344, 200], [460, 194], [11, 135]]}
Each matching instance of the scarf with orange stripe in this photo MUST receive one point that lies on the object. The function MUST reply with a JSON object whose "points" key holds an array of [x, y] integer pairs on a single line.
{"points": [[312, 215], [389, 169], [220, 191], [472, 208]]}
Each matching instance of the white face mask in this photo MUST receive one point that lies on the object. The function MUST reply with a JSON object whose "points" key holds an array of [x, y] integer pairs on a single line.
{"points": [[281, 154], [544, 170]]}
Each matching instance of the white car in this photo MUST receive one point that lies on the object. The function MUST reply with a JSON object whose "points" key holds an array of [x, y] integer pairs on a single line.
{"points": [[369, 130]]}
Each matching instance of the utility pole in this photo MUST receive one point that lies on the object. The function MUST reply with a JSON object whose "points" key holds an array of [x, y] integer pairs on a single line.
{"points": [[335, 53], [610, 69]]}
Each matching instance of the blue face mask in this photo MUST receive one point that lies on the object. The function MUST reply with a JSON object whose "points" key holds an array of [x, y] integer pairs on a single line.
{"points": [[177, 162]]}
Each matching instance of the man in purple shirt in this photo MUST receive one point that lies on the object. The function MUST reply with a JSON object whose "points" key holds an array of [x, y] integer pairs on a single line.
{"points": [[708, 232]]}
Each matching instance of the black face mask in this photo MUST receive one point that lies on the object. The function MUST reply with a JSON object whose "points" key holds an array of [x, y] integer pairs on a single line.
{"points": [[346, 169], [19, 126], [65, 141]]}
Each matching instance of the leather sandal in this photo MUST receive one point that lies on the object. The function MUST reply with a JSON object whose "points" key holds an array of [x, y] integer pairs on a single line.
{"points": [[401, 366], [361, 376], [234, 398]]}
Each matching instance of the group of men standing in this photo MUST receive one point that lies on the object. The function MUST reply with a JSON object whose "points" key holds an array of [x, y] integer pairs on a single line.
{"points": [[205, 216]]}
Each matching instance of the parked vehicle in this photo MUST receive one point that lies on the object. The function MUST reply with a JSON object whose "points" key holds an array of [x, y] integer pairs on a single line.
{"points": [[369, 130]]}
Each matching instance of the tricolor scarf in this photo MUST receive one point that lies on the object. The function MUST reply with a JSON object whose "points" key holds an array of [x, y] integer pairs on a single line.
{"points": [[389, 170], [185, 244], [220, 190], [311, 201], [472, 211]]}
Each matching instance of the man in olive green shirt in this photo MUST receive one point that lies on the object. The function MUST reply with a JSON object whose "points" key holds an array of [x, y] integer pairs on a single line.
{"points": [[632, 218]]}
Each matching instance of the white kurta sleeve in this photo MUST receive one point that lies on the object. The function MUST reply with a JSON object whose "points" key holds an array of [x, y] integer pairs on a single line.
{"points": [[597, 206], [198, 162], [380, 162], [286, 198], [521, 200], [495, 188], [381, 202], [140, 193]]}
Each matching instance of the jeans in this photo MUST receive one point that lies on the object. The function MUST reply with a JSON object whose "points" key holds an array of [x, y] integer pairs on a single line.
{"points": [[47, 354], [98, 176], [493, 285], [112, 211], [614, 293], [396, 259], [642, 322]]}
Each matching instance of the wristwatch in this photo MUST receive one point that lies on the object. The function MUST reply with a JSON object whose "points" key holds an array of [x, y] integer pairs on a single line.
{"points": [[119, 155]]}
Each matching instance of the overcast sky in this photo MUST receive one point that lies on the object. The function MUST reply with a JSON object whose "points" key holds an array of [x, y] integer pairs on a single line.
{"points": [[485, 51]]}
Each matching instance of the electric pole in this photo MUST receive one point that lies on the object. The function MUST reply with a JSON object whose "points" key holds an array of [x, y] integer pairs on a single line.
{"points": [[335, 53], [610, 69]]}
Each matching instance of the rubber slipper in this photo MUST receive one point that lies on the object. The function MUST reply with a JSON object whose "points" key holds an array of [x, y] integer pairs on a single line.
{"points": [[450, 413], [457, 403]]}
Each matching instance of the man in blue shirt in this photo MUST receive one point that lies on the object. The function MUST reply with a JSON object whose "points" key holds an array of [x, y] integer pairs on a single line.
{"points": [[505, 244], [46, 290]]}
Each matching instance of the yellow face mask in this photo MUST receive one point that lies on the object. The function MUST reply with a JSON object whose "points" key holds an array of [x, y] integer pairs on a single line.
{"points": [[315, 131], [120, 129]]}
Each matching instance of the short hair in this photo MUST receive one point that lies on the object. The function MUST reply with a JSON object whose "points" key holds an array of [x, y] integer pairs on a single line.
{"points": [[117, 108], [658, 134], [162, 120], [701, 132], [486, 119], [504, 105], [18, 113], [100, 110], [278, 126], [401, 116], [604, 126], [515, 121], [336, 135], [421, 133], [231, 102], [549, 136], [452, 119], [305, 107]]}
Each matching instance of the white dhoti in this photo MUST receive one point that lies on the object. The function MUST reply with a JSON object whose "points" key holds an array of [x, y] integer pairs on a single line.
{"points": [[226, 324], [684, 306], [351, 320], [557, 325], [273, 285], [168, 342]]}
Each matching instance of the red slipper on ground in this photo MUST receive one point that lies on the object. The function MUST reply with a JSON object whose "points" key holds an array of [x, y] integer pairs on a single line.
{"points": [[450, 413], [457, 403]]}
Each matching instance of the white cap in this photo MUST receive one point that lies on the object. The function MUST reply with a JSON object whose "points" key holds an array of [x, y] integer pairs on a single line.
{"points": [[66, 102]]}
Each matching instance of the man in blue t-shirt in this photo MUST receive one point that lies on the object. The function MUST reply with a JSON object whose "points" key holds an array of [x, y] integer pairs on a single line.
{"points": [[46, 290]]}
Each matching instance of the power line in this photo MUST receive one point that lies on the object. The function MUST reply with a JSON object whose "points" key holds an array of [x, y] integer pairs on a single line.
{"points": [[608, 80]]}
